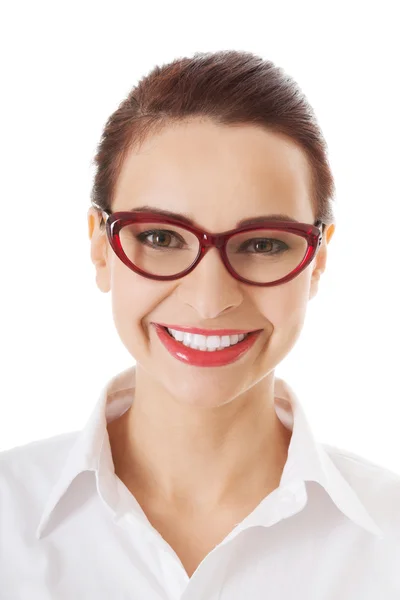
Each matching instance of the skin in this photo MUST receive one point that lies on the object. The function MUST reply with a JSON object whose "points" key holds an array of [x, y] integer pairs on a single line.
{"points": [[203, 440]]}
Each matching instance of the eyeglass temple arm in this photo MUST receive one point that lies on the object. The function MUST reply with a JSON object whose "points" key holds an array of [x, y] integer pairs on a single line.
{"points": [[105, 213]]}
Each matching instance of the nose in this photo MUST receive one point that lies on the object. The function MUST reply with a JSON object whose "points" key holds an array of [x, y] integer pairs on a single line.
{"points": [[210, 289]]}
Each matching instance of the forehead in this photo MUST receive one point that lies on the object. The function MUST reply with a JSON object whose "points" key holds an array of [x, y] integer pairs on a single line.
{"points": [[217, 174]]}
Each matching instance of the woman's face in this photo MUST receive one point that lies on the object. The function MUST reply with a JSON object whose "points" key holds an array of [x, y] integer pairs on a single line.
{"points": [[217, 175]]}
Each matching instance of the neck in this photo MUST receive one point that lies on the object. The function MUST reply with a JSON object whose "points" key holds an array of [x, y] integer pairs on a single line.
{"points": [[203, 458]]}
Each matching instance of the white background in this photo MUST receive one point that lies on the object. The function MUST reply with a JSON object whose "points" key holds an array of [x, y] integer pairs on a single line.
{"points": [[64, 69]]}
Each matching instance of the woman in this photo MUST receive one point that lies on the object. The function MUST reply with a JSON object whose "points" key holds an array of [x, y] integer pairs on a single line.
{"points": [[197, 475]]}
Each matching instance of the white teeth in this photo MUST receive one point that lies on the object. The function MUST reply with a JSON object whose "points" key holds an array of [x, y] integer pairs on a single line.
{"points": [[226, 341], [212, 342], [209, 343], [179, 335]]}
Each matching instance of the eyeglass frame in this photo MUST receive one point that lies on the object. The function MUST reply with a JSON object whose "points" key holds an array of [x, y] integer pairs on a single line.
{"points": [[114, 222]]}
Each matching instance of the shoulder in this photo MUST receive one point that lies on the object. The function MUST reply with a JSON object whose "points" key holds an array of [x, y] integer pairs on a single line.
{"points": [[377, 487], [32, 468], [361, 469], [42, 448]]}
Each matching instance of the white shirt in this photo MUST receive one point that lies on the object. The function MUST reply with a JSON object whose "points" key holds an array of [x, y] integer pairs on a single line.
{"points": [[71, 530]]}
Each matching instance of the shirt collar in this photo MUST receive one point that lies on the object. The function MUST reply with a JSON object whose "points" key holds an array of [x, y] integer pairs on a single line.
{"points": [[307, 459]]}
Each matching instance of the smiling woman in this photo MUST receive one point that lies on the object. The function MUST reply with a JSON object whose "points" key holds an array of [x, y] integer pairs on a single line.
{"points": [[212, 211]]}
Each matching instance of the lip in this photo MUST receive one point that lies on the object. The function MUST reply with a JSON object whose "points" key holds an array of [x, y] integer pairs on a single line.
{"points": [[200, 358], [207, 331]]}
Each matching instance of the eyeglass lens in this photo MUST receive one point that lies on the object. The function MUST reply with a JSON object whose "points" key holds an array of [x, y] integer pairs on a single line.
{"points": [[261, 255]]}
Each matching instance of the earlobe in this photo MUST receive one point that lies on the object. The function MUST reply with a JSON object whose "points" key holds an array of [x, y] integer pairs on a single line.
{"points": [[314, 283]]}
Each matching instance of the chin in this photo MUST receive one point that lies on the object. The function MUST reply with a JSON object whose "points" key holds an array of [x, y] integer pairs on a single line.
{"points": [[204, 386]]}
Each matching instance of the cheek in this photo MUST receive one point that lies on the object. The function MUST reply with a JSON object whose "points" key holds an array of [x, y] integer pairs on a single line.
{"points": [[284, 307], [133, 297], [293, 302]]}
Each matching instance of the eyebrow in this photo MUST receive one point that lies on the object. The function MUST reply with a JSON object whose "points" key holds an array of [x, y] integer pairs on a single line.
{"points": [[188, 221]]}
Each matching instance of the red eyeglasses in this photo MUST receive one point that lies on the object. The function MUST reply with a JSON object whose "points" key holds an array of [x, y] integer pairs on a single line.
{"points": [[162, 248]]}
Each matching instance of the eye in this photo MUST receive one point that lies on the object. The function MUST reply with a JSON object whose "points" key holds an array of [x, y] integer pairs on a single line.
{"points": [[264, 245], [162, 238]]}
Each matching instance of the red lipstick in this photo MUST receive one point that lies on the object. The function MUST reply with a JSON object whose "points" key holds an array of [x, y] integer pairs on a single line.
{"points": [[203, 358]]}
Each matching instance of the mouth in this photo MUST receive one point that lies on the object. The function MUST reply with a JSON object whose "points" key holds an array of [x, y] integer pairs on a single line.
{"points": [[203, 342], [200, 350], [205, 332]]}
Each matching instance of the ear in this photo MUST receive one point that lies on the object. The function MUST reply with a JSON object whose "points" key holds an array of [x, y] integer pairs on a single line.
{"points": [[320, 261], [99, 250]]}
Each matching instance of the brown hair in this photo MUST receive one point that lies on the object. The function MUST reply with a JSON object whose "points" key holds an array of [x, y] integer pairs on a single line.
{"points": [[231, 88]]}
